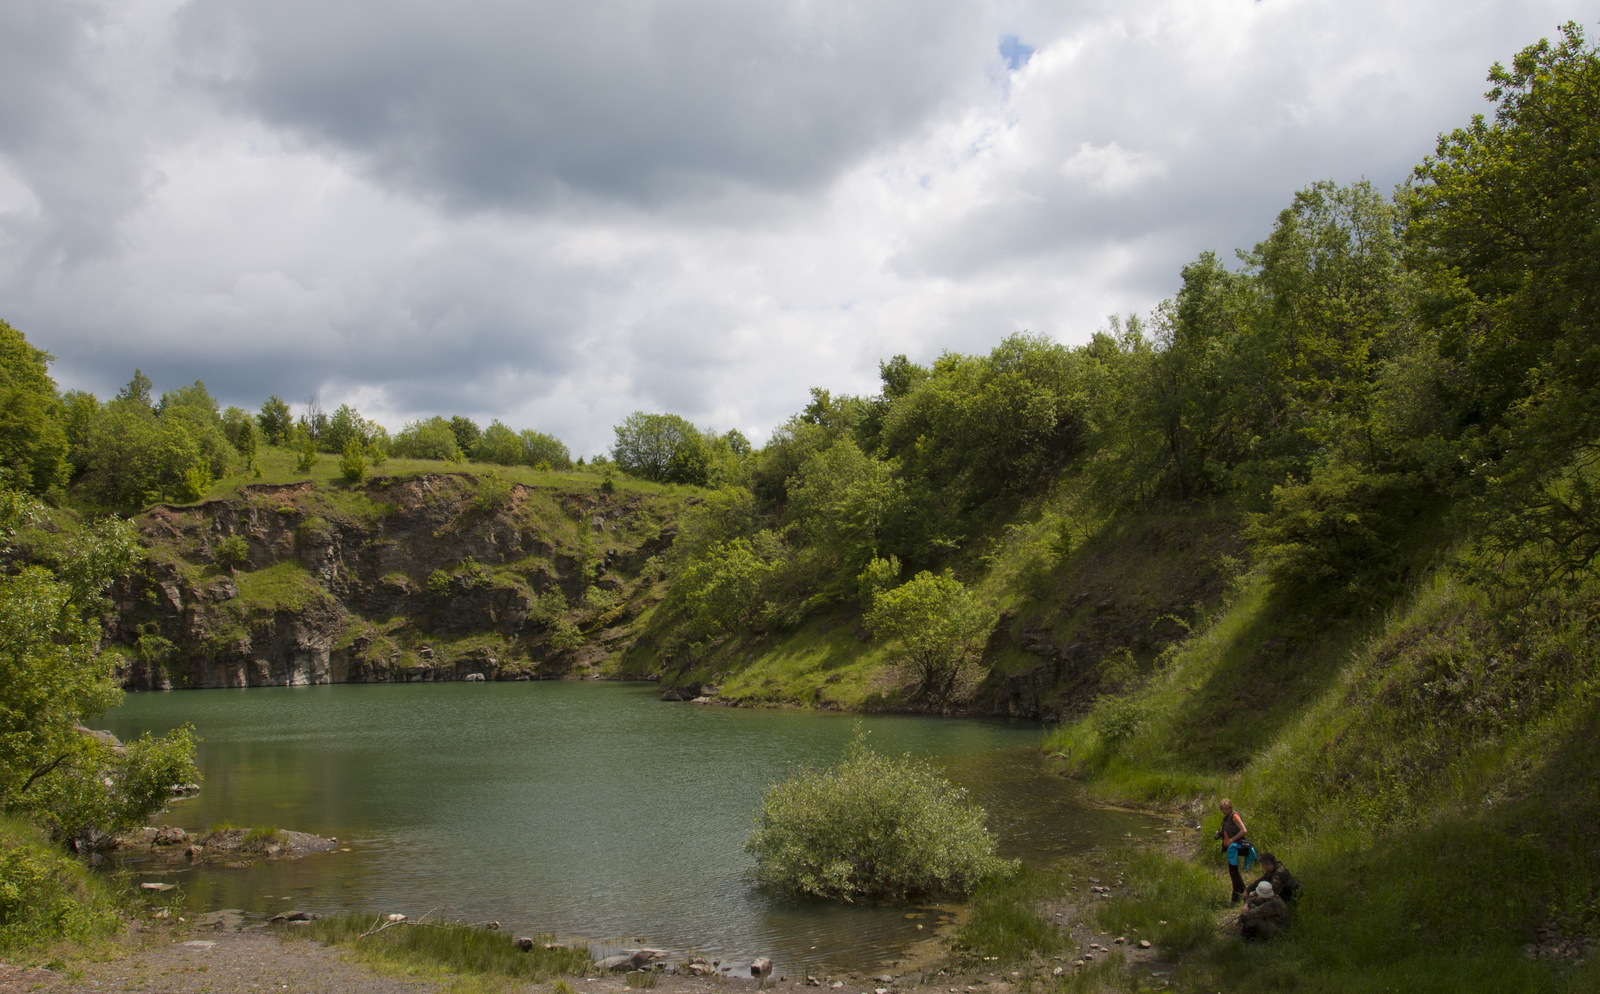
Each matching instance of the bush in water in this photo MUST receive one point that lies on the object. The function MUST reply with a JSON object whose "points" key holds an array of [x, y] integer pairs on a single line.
{"points": [[873, 827]]}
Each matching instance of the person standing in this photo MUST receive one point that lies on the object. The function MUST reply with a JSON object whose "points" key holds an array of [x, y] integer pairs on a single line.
{"points": [[1232, 833]]}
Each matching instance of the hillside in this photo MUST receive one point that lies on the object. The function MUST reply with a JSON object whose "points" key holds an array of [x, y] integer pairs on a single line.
{"points": [[402, 579]]}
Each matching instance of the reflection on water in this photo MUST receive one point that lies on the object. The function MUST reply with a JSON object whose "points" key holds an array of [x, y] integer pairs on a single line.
{"points": [[581, 809]]}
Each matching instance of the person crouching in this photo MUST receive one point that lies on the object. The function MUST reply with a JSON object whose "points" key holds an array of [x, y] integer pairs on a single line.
{"points": [[1264, 913]]}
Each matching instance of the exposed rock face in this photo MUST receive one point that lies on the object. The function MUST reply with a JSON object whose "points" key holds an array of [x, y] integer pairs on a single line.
{"points": [[405, 580]]}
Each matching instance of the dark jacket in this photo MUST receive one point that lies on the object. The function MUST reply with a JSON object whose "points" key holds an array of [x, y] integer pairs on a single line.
{"points": [[1282, 881]]}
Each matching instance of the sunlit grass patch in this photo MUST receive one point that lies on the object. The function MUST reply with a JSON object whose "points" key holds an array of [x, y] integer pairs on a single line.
{"points": [[423, 946]]}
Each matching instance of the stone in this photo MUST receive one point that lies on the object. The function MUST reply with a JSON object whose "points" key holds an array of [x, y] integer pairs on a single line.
{"points": [[397, 918], [615, 962], [170, 836], [294, 916], [1144, 943], [885, 978], [1058, 971], [194, 853], [159, 888], [524, 943], [643, 959], [473, 678], [760, 966], [198, 944]]}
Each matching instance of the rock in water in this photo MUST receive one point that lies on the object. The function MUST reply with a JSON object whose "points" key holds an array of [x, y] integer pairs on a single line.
{"points": [[760, 966], [170, 836]]}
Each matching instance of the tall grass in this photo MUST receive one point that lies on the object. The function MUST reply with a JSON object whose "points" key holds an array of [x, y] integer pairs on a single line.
{"points": [[459, 949]]}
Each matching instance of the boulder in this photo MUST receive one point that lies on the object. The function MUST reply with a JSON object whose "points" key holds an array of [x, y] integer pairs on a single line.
{"points": [[170, 835], [621, 962], [524, 943], [295, 916], [760, 966], [473, 678]]}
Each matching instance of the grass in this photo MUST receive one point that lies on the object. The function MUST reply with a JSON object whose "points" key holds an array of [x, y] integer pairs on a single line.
{"points": [[1428, 773], [433, 949], [278, 466], [46, 897]]}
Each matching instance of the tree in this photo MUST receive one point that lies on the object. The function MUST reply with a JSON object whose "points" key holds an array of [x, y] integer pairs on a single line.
{"points": [[466, 433], [53, 676], [658, 447], [499, 445], [936, 625], [539, 449], [1502, 229], [430, 439], [33, 442], [275, 420], [352, 465], [137, 389]]}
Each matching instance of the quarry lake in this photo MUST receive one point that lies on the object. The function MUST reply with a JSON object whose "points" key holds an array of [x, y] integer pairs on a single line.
{"points": [[589, 810]]}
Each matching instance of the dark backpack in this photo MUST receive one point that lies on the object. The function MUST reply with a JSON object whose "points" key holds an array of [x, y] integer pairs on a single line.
{"points": [[1290, 887]]}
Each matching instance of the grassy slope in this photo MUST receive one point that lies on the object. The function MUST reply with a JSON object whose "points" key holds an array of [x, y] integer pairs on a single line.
{"points": [[1431, 776]]}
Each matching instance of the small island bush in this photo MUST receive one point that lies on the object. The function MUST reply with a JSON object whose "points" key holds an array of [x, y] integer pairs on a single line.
{"points": [[873, 828]]}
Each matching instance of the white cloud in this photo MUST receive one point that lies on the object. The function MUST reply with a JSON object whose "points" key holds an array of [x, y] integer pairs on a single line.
{"points": [[557, 214]]}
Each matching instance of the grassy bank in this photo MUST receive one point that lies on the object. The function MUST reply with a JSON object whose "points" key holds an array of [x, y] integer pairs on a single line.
{"points": [[438, 949], [1429, 772], [47, 899]]}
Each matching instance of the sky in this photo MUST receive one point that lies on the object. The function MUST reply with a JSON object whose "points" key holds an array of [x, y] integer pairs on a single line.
{"points": [[556, 213]]}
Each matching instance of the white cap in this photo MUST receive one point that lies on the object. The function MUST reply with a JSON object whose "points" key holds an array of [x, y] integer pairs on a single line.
{"points": [[1264, 889]]}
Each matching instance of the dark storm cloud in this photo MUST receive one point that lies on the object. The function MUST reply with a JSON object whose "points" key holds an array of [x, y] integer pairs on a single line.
{"points": [[494, 103]]}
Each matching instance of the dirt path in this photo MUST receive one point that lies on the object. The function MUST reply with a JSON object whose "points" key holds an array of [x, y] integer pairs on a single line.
{"points": [[252, 961]]}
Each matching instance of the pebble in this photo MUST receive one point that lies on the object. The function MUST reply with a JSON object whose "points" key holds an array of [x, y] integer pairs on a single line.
{"points": [[1144, 943]]}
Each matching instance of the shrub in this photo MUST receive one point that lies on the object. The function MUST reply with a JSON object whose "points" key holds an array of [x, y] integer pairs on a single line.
{"points": [[352, 465], [439, 583], [873, 827], [493, 494], [195, 484], [233, 551], [565, 635], [308, 455], [44, 894]]}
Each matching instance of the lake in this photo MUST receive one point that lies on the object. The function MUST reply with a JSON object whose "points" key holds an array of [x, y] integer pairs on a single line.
{"points": [[588, 810]]}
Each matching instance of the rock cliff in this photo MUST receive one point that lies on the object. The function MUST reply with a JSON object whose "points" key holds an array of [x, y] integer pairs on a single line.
{"points": [[423, 578]]}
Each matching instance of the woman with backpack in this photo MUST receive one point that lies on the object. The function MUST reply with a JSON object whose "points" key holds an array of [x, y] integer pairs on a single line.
{"points": [[1232, 833]]}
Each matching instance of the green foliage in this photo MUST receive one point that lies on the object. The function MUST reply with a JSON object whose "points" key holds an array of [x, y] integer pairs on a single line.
{"points": [[564, 636], [275, 420], [466, 433], [936, 625], [872, 828], [233, 551], [33, 438], [352, 464], [53, 676], [663, 448], [1501, 232], [308, 457], [346, 428], [493, 494], [430, 439], [195, 485], [439, 582], [46, 896], [1003, 922]]}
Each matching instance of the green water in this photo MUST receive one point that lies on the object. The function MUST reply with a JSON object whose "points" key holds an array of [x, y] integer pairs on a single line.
{"points": [[588, 810]]}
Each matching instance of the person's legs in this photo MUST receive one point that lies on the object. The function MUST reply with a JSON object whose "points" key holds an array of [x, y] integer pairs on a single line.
{"points": [[1238, 882]]}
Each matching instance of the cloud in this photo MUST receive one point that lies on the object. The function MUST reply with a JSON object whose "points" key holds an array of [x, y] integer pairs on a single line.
{"points": [[558, 213], [490, 104]]}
